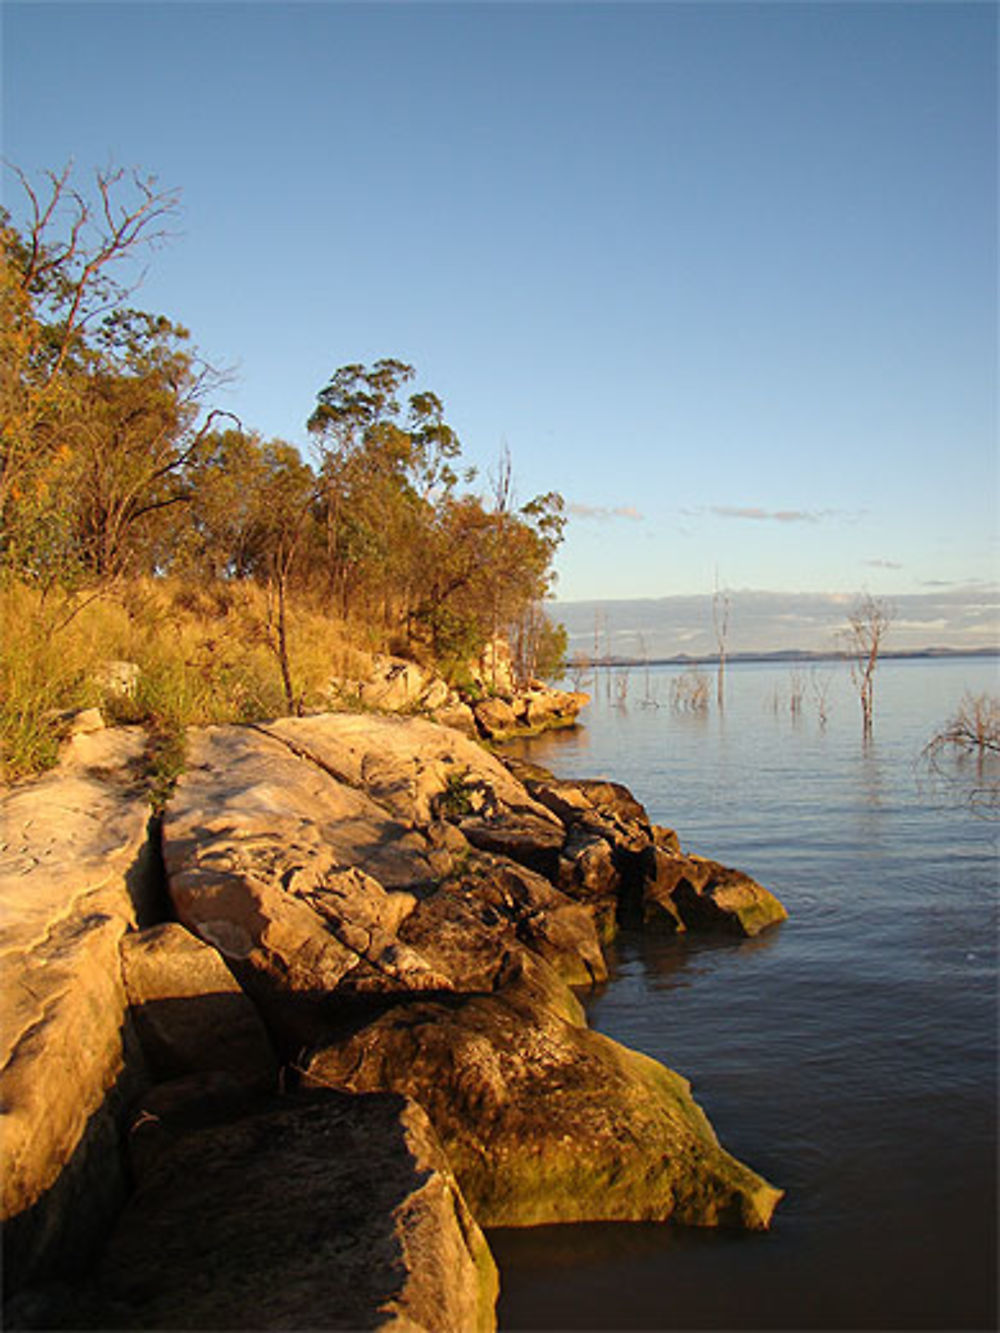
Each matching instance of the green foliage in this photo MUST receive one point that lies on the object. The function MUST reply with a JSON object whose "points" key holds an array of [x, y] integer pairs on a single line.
{"points": [[455, 802], [166, 752], [116, 474]]}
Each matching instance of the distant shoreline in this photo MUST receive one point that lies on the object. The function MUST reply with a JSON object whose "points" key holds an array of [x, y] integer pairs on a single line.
{"points": [[780, 655]]}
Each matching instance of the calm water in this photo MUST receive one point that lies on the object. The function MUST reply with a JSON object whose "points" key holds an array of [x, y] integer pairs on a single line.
{"points": [[849, 1055]]}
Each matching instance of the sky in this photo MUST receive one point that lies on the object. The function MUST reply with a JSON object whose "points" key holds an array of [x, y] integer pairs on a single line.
{"points": [[724, 275]]}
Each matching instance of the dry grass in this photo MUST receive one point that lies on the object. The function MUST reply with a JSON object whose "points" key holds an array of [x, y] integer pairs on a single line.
{"points": [[203, 655]]}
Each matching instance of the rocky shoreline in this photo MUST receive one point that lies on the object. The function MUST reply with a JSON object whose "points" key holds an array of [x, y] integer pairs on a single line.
{"points": [[274, 1060]]}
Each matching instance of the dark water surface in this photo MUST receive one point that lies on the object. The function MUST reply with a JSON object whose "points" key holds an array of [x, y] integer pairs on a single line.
{"points": [[849, 1055]]}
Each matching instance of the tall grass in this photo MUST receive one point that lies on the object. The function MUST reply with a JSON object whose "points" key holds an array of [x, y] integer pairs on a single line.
{"points": [[204, 655]]}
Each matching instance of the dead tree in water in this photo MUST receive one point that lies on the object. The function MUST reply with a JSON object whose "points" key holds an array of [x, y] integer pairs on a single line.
{"points": [[972, 734], [867, 625], [720, 619]]}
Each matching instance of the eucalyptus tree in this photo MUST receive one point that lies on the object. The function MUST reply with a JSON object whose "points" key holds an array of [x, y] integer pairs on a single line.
{"points": [[383, 467]]}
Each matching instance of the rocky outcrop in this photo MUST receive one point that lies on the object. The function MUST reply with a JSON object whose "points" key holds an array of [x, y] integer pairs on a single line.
{"points": [[493, 705], [625, 868], [693, 893], [338, 1213], [312, 853], [380, 906], [72, 882], [546, 1121]]}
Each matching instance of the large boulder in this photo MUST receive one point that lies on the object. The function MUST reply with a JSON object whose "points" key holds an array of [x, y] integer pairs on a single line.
{"points": [[299, 851], [469, 926], [695, 893], [332, 1213], [588, 873], [74, 877], [190, 1013], [536, 841], [545, 1121], [297, 878], [393, 684], [495, 718]]}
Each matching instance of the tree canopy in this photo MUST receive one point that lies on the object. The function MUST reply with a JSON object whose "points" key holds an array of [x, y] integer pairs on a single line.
{"points": [[114, 463]]}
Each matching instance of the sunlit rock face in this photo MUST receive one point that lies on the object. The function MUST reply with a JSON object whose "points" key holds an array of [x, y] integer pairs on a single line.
{"points": [[317, 856], [72, 881], [373, 904]]}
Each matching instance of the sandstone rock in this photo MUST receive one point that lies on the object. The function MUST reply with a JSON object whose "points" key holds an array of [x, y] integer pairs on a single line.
{"points": [[403, 763], [467, 929], [495, 718], [588, 874], [73, 722], [190, 1014], [665, 837], [572, 798], [663, 872], [546, 707], [260, 841], [545, 1121], [340, 1212], [118, 679], [273, 861], [72, 880], [394, 684], [165, 1112], [712, 897], [436, 695], [526, 979], [458, 717], [529, 839]]}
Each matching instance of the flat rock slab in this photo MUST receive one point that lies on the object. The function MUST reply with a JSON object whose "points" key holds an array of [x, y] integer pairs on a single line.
{"points": [[545, 1121], [248, 782], [407, 764], [72, 866], [337, 1213]]}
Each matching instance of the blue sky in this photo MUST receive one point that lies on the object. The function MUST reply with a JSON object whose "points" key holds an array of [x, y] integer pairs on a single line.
{"points": [[723, 275]]}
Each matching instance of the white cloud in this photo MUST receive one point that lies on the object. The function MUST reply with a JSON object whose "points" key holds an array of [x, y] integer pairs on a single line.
{"points": [[757, 514], [605, 512]]}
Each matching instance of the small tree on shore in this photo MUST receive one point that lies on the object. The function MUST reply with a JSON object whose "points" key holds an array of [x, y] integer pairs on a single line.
{"points": [[867, 626]]}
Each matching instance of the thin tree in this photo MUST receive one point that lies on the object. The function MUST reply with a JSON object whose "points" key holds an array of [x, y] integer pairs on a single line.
{"points": [[867, 626], [721, 606], [60, 276]]}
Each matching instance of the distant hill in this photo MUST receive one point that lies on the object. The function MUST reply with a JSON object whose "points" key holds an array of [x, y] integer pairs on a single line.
{"points": [[777, 625], [782, 655]]}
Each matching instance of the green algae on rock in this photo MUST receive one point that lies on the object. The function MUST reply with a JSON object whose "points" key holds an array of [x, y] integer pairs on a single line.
{"points": [[546, 1121]]}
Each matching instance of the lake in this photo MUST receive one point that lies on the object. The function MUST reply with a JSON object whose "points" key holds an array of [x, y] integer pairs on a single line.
{"points": [[849, 1055]]}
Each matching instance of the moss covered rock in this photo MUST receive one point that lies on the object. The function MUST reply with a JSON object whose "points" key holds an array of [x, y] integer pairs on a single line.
{"points": [[546, 1121]]}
